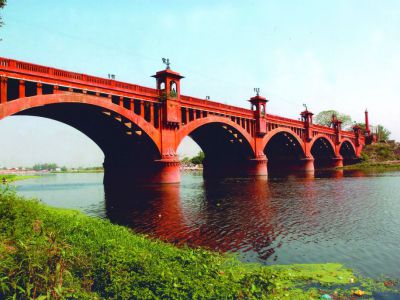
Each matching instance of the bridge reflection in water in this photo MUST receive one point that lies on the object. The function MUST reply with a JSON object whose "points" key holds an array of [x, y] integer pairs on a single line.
{"points": [[250, 216]]}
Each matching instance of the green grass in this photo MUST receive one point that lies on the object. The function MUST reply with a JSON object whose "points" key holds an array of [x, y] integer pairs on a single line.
{"points": [[378, 157], [48, 253], [11, 177], [374, 166]]}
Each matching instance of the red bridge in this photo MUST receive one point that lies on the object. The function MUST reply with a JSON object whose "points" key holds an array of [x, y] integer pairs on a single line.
{"points": [[139, 129]]}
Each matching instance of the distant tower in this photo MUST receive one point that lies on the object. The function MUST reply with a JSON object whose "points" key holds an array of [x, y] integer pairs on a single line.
{"points": [[367, 129]]}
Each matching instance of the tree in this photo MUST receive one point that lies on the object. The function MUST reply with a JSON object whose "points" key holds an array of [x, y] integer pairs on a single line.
{"points": [[325, 118], [198, 159], [2, 4], [41, 167], [382, 133]]}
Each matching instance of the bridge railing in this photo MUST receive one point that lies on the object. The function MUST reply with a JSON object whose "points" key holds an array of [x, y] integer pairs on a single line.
{"points": [[72, 77], [218, 107]]}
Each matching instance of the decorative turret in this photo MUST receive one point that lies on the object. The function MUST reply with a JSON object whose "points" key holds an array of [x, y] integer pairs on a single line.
{"points": [[357, 132], [337, 126], [306, 117], [258, 106], [168, 84]]}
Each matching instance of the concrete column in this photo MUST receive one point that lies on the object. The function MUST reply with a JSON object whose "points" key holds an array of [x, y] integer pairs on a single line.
{"points": [[39, 90], [256, 167], [308, 164], [160, 171], [337, 162], [21, 88], [152, 113], [187, 115], [3, 89], [142, 108]]}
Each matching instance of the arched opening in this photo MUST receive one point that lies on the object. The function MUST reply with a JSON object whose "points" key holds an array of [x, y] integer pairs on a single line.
{"points": [[173, 90], [348, 153], [284, 153], [322, 152], [129, 152], [162, 85], [225, 149], [190, 154], [262, 110], [36, 140]]}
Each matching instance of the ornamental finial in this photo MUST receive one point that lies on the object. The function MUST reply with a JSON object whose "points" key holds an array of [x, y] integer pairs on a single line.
{"points": [[166, 62]]}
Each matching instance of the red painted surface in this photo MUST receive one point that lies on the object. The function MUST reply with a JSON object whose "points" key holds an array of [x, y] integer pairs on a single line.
{"points": [[164, 117]]}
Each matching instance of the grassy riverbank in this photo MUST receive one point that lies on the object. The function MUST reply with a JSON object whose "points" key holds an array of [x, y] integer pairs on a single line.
{"points": [[11, 177], [378, 157], [58, 253]]}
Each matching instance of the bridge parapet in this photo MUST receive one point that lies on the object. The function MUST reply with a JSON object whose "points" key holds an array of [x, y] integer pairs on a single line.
{"points": [[29, 71]]}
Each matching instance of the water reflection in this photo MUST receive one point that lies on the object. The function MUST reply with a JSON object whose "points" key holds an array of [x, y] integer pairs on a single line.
{"points": [[243, 215]]}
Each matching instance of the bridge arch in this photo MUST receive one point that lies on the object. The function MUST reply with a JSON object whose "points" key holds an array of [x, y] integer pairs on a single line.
{"points": [[279, 130], [192, 126], [125, 138], [284, 150], [228, 147], [22, 104], [323, 151], [347, 150]]}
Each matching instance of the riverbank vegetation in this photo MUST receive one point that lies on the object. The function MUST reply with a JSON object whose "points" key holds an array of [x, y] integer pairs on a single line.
{"points": [[48, 253], [379, 156], [195, 160], [8, 178]]}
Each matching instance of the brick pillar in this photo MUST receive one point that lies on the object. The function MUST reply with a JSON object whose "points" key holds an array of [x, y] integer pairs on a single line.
{"points": [[3, 89], [337, 162], [39, 90], [21, 89], [152, 113], [142, 108]]}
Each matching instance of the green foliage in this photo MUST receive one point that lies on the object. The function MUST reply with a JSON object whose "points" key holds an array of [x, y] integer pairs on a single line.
{"points": [[198, 159], [2, 4], [11, 177], [379, 157], [383, 133], [48, 253], [380, 152], [185, 160], [46, 166], [325, 118]]}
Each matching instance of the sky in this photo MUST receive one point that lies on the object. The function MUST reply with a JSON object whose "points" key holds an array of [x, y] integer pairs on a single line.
{"points": [[342, 55]]}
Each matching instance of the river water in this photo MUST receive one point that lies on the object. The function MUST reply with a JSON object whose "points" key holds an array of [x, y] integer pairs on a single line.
{"points": [[347, 217]]}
